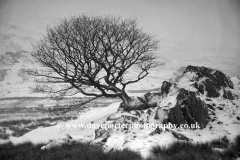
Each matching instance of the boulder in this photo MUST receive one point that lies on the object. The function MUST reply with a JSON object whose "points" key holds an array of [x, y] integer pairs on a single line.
{"points": [[150, 96], [65, 139], [216, 76], [228, 95], [189, 110], [153, 97], [134, 104], [211, 81], [190, 101], [165, 88], [101, 133], [179, 135]]}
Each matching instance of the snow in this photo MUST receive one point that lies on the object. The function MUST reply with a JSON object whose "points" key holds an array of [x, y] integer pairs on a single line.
{"points": [[145, 143], [140, 139], [169, 101], [186, 81], [44, 135], [137, 139], [183, 41]]}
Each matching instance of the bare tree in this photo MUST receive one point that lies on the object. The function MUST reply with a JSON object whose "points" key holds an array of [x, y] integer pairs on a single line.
{"points": [[86, 52]]}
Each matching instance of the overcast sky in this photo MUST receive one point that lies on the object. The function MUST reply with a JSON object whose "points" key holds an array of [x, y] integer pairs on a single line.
{"points": [[201, 32]]}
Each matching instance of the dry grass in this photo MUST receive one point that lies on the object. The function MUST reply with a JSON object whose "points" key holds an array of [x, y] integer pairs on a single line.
{"points": [[78, 151], [198, 151]]}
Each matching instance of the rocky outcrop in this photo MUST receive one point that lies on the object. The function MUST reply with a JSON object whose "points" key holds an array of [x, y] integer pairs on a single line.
{"points": [[149, 100], [189, 110], [186, 101], [210, 81], [218, 78]]}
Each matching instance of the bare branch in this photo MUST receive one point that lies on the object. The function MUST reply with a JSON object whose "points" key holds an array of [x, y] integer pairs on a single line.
{"points": [[94, 52]]}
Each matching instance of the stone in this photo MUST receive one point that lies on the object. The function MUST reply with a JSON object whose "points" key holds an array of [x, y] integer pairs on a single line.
{"points": [[189, 110], [214, 75], [156, 131], [165, 88], [228, 95], [155, 97], [211, 81], [179, 135], [152, 96], [65, 139], [134, 104], [101, 133], [211, 107]]}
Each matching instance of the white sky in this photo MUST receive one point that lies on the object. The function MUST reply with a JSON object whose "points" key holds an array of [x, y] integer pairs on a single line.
{"points": [[201, 32]]}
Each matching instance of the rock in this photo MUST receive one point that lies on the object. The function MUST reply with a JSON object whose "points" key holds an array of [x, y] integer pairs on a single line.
{"points": [[228, 95], [210, 107], [208, 99], [179, 135], [212, 88], [156, 131], [66, 139], [165, 88], [219, 122], [119, 118], [190, 100], [134, 104], [213, 75], [211, 81], [155, 97], [142, 100], [199, 87], [135, 112], [66, 136], [101, 132], [150, 97], [113, 116], [130, 119], [189, 110]]}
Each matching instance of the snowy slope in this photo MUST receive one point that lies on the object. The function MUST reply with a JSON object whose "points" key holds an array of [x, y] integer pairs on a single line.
{"points": [[224, 121], [92, 115]]}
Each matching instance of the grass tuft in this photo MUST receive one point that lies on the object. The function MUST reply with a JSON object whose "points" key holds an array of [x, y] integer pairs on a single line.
{"points": [[220, 143], [181, 150], [78, 151]]}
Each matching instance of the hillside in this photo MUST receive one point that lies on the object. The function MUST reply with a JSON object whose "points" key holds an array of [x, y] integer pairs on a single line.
{"points": [[200, 95]]}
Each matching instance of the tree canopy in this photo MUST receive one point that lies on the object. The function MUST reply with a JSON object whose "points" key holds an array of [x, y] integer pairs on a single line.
{"points": [[85, 52]]}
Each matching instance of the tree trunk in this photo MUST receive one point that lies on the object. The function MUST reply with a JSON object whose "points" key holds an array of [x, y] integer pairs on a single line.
{"points": [[129, 104], [125, 98]]}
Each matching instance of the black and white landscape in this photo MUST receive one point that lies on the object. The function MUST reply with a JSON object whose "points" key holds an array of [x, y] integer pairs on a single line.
{"points": [[197, 83]]}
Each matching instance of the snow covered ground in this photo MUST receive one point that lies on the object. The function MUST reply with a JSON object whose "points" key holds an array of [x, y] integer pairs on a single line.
{"points": [[224, 122], [191, 33], [91, 115]]}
